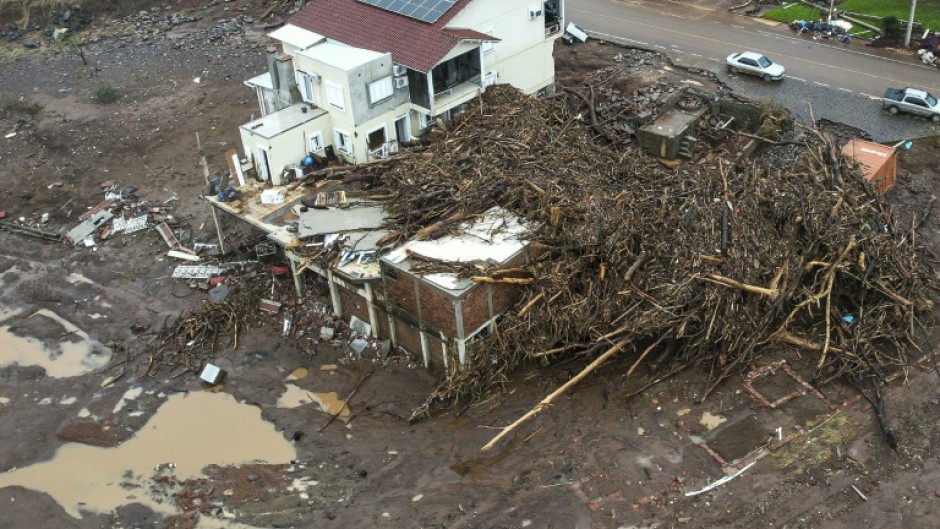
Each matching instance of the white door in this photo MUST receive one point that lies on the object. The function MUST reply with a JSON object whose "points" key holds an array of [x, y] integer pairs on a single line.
{"points": [[403, 128], [264, 170]]}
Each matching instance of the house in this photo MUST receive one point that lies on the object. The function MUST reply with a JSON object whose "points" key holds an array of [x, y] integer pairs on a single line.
{"points": [[431, 313], [354, 78]]}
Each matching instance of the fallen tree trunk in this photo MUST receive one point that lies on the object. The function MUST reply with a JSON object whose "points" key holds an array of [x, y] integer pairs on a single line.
{"points": [[547, 401]]}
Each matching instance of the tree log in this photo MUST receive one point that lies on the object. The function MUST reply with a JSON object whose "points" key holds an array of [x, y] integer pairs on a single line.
{"points": [[728, 282], [505, 280], [547, 401]]}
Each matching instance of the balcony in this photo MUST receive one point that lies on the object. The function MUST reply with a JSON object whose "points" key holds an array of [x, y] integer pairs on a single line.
{"points": [[456, 95]]}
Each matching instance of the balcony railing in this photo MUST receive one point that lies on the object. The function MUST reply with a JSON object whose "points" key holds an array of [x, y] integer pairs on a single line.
{"points": [[386, 149]]}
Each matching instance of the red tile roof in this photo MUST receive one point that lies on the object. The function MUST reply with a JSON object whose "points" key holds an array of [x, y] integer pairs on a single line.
{"points": [[416, 44], [469, 34]]}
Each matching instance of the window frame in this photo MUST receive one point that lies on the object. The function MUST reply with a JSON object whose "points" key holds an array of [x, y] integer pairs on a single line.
{"points": [[305, 82], [385, 94], [315, 135], [337, 136], [335, 89]]}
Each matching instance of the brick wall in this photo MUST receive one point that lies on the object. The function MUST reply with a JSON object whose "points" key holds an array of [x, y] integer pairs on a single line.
{"points": [[408, 337], [431, 307], [476, 307], [436, 348], [476, 304], [353, 304], [382, 316], [399, 289], [437, 309]]}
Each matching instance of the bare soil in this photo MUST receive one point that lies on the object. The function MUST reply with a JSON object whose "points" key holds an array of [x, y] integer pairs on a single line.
{"points": [[599, 458]]}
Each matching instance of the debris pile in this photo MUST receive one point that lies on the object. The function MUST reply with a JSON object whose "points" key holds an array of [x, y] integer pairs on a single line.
{"points": [[252, 295], [710, 264]]}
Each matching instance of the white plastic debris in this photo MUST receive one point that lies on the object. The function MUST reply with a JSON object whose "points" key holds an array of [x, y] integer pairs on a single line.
{"points": [[212, 374]]}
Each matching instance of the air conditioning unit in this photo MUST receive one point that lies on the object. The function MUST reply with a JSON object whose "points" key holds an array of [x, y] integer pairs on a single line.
{"points": [[401, 82], [399, 70], [535, 12]]}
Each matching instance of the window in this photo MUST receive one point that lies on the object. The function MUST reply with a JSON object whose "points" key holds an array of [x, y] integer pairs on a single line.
{"points": [[488, 46], [306, 84], [749, 62], [916, 101], [334, 96], [381, 89], [343, 141], [315, 142], [376, 138], [764, 62], [424, 121]]}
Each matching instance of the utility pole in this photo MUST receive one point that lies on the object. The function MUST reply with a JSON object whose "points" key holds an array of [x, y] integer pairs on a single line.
{"points": [[832, 6], [910, 25]]}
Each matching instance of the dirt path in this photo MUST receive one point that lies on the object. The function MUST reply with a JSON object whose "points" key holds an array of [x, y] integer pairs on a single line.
{"points": [[598, 458]]}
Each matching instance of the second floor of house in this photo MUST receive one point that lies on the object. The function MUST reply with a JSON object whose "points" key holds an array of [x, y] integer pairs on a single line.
{"points": [[359, 61]]}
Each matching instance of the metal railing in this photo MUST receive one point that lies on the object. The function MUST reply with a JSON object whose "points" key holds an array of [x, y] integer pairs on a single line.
{"points": [[384, 151]]}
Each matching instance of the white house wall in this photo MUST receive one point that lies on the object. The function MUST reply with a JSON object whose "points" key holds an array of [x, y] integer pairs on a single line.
{"points": [[288, 148], [328, 74], [361, 133], [523, 56]]}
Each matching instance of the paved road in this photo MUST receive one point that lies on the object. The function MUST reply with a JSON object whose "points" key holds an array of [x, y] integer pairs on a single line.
{"points": [[843, 83]]}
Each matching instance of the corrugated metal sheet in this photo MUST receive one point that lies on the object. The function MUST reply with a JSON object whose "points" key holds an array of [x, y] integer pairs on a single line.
{"points": [[879, 162]]}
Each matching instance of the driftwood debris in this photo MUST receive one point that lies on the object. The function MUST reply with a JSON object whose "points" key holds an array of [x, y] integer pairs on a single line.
{"points": [[703, 265]]}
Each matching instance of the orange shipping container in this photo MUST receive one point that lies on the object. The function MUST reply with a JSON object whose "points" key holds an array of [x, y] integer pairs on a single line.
{"points": [[879, 162]]}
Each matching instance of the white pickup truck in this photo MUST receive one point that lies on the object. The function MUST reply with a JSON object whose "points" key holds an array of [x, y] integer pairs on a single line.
{"points": [[912, 101]]}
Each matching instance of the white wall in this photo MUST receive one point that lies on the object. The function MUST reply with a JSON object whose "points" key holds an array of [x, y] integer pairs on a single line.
{"points": [[286, 149], [523, 57]]}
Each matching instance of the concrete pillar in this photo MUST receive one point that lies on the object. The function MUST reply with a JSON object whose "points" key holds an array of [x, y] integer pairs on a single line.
{"points": [[334, 294], [462, 351], [426, 350], [458, 317], [373, 317], [431, 93], [298, 279]]}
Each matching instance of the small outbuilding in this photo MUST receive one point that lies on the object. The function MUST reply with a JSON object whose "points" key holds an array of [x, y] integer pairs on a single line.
{"points": [[879, 162]]}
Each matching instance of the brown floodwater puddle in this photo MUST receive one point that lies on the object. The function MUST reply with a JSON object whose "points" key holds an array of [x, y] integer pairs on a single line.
{"points": [[74, 355], [189, 431], [295, 396]]}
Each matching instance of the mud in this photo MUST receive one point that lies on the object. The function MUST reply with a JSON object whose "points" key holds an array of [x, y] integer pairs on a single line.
{"points": [[599, 457]]}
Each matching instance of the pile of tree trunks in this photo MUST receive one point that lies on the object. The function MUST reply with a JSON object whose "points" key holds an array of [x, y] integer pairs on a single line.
{"points": [[708, 264]]}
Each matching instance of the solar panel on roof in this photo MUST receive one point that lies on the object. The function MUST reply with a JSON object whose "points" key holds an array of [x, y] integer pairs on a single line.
{"points": [[429, 11]]}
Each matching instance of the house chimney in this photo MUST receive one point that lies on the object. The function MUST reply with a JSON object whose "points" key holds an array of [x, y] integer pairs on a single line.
{"points": [[287, 90], [271, 57]]}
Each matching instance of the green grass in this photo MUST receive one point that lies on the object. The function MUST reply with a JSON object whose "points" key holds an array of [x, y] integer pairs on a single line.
{"points": [[927, 13], [106, 93], [794, 12]]}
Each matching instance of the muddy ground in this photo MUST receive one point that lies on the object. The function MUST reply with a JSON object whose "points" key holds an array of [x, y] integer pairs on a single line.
{"points": [[599, 458]]}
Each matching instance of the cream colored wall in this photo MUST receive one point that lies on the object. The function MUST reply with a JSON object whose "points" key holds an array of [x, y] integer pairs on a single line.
{"points": [[523, 57], [342, 118], [361, 143], [284, 150]]}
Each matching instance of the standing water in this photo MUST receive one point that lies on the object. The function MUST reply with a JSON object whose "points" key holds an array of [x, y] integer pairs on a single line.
{"points": [[189, 431]]}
